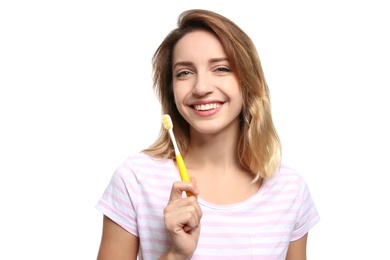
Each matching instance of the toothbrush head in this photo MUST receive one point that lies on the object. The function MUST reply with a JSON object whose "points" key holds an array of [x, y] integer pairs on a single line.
{"points": [[167, 122]]}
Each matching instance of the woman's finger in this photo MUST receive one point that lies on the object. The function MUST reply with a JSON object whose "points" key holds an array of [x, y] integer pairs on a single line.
{"points": [[184, 218], [179, 187]]}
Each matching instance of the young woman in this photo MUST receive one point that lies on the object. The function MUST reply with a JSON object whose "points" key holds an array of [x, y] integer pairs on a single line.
{"points": [[246, 204]]}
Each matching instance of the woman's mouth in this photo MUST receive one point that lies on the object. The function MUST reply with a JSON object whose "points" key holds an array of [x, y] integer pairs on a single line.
{"points": [[205, 107]]}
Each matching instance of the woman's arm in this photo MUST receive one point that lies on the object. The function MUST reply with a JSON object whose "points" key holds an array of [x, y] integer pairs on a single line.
{"points": [[116, 242], [297, 249]]}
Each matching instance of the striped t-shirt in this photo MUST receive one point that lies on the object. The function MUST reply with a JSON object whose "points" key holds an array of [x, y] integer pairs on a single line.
{"points": [[260, 227]]}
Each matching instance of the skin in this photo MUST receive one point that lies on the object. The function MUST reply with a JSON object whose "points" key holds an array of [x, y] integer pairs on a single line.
{"points": [[297, 249], [182, 220], [201, 75], [116, 242]]}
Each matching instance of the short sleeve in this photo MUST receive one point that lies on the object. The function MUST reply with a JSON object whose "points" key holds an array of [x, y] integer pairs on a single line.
{"points": [[307, 214], [119, 200]]}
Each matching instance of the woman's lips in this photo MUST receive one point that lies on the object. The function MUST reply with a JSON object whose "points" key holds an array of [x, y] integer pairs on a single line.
{"points": [[207, 109]]}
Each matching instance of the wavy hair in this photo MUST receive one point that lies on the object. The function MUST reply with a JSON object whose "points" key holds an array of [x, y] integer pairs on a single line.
{"points": [[259, 148]]}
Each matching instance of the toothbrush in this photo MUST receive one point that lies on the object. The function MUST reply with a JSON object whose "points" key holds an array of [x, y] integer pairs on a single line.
{"points": [[167, 122]]}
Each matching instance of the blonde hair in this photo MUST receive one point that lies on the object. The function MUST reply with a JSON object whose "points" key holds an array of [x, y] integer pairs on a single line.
{"points": [[259, 147]]}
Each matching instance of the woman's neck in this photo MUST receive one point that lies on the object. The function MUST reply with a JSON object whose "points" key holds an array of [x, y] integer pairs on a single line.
{"points": [[213, 151]]}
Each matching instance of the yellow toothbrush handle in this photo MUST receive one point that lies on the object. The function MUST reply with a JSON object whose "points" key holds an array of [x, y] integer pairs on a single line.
{"points": [[182, 168], [183, 171]]}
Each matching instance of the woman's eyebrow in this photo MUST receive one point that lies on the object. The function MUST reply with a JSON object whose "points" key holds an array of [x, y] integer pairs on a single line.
{"points": [[189, 63], [214, 60], [182, 63]]}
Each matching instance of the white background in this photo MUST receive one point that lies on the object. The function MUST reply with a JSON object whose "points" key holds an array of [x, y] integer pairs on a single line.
{"points": [[76, 99]]}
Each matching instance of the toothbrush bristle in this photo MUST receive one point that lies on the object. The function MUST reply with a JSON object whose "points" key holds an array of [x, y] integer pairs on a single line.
{"points": [[167, 121]]}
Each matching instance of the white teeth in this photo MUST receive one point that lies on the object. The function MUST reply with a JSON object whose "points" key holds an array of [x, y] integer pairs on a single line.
{"points": [[207, 106]]}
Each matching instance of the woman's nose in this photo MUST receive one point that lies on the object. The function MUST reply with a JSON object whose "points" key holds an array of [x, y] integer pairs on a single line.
{"points": [[202, 86]]}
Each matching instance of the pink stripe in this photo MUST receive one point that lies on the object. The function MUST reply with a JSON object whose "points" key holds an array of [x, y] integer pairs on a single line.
{"points": [[285, 192], [251, 214], [151, 206], [121, 223], [235, 257], [155, 229], [124, 189], [149, 217], [151, 252], [242, 246], [164, 188], [246, 225], [118, 200], [160, 242], [152, 169], [274, 203], [161, 197], [235, 235]]}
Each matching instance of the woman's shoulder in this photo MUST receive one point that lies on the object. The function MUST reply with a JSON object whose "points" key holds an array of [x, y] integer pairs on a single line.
{"points": [[144, 160], [287, 176], [142, 164]]}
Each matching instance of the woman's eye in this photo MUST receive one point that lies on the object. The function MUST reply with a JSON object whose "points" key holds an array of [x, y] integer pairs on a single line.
{"points": [[223, 69], [182, 74]]}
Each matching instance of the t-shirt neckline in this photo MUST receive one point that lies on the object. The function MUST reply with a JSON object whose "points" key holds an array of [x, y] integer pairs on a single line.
{"points": [[224, 206]]}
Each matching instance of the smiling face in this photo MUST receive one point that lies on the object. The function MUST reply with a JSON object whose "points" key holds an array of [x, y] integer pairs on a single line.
{"points": [[206, 90]]}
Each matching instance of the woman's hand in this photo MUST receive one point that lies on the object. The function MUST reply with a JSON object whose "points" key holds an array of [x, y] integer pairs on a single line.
{"points": [[182, 220]]}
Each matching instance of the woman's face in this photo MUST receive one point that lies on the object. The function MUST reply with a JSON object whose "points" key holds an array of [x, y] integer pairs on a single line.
{"points": [[206, 90]]}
